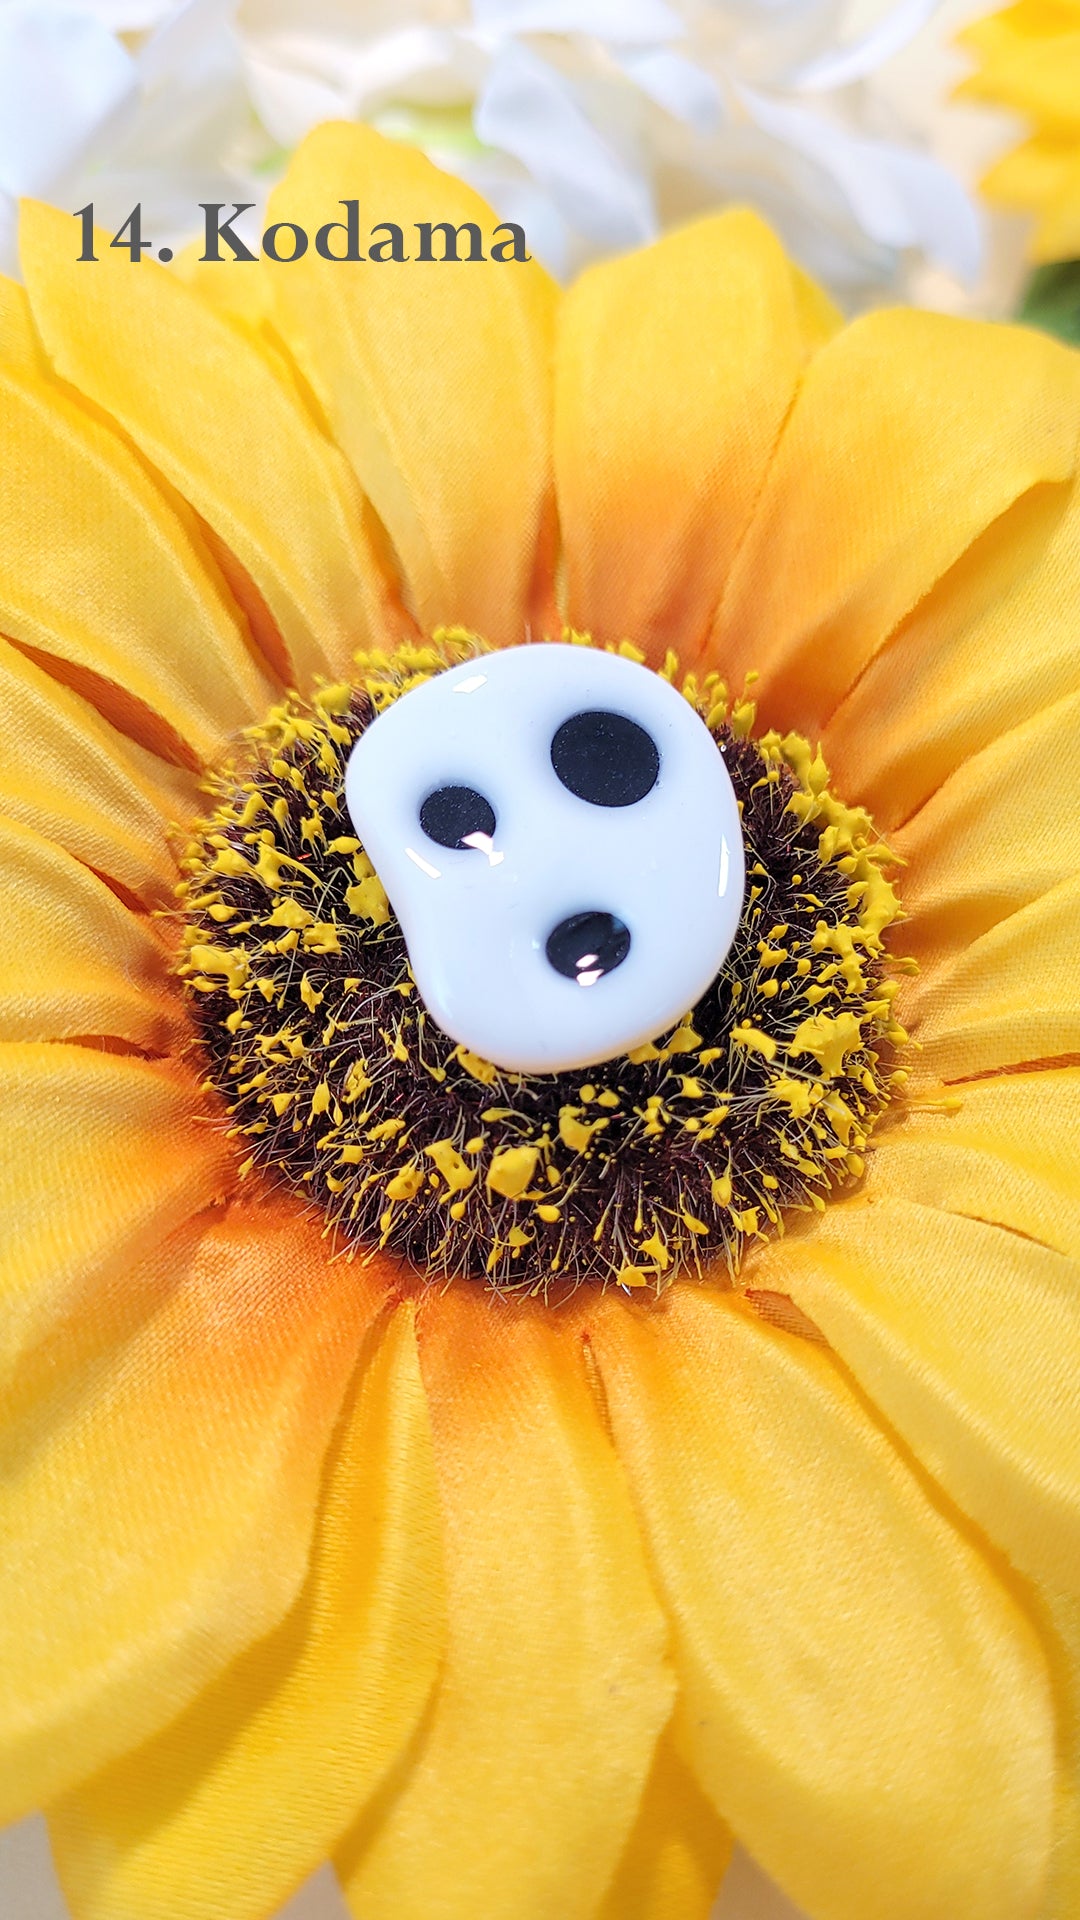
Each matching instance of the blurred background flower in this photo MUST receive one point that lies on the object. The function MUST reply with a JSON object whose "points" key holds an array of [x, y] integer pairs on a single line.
{"points": [[1028, 59], [595, 123]]}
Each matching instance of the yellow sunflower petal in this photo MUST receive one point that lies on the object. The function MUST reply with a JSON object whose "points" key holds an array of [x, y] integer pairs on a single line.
{"points": [[1011, 998], [1063, 1632], [1001, 831], [992, 644], [860, 1695], [1029, 60], [187, 1478], [206, 408], [675, 369], [1009, 1155], [525, 1786], [245, 1795], [910, 434], [67, 773], [98, 569], [1035, 172], [677, 1854], [1057, 232], [76, 960], [100, 1156], [19, 347], [435, 379], [967, 1337]]}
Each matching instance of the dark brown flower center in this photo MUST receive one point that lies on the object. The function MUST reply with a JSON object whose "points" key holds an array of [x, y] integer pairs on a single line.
{"points": [[758, 1103]]}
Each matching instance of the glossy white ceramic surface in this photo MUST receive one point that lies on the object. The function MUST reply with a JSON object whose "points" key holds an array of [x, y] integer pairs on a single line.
{"points": [[477, 919]]}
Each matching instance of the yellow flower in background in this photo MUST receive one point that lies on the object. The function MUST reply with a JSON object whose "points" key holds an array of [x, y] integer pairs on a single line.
{"points": [[1029, 61], [514, 1605]]}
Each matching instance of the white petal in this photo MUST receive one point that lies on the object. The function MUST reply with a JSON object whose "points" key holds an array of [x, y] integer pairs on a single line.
{"points": [[289, 103], [123, 16], [839, 66], [61, 76], [624, 22], [684, 90], [900, 198], [515, 198], [9, 226], [419, 63], [530, 110], [183, 36]]}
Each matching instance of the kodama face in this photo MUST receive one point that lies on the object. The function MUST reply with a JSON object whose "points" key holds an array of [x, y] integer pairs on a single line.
{"points": [[559, 838]]}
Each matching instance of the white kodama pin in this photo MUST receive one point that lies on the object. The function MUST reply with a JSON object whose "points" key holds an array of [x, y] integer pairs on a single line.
{"points": [[559, 837]]}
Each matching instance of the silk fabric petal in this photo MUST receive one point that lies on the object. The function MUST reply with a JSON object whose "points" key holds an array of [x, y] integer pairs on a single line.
{"points": [[526, 1783], [100, 571], [967, 1336], [1010, 999], [160, 1511], [1003, 830], [910, 434], [206, 408], [1007, 1152], [864, 1702], [79, 961], [100, 1157], [988, 648], [676, 367], [223, 1815], [677, 1854], [67, 773], [435, 379]]}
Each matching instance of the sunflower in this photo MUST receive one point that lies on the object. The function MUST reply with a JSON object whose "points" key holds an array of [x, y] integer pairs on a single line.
{"points": [[1029, 61], [375, 1488]]}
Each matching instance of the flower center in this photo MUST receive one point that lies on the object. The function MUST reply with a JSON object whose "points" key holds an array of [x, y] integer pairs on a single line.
{"points": [[758, 1103]]}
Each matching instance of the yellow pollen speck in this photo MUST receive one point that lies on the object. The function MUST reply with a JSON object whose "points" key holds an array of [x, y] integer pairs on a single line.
{"points": [[754, 1040], [333, 699], [829, 1038], [405, 1184], [367, 899], [641, 1055], [795, 1095], [289, 913], [656, 1250], [478, 1069], [451, 1165], [574, 1133], [683, 1040], [512, 1170]]}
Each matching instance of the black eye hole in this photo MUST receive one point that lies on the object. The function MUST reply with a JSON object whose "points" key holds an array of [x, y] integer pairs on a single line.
{"points": [[605, 758], [451, 815], [587, 945]]}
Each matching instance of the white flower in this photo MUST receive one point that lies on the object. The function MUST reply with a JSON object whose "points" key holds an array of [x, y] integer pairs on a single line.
{"points": [[596, 122], [119, 102], [592, 122]]}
